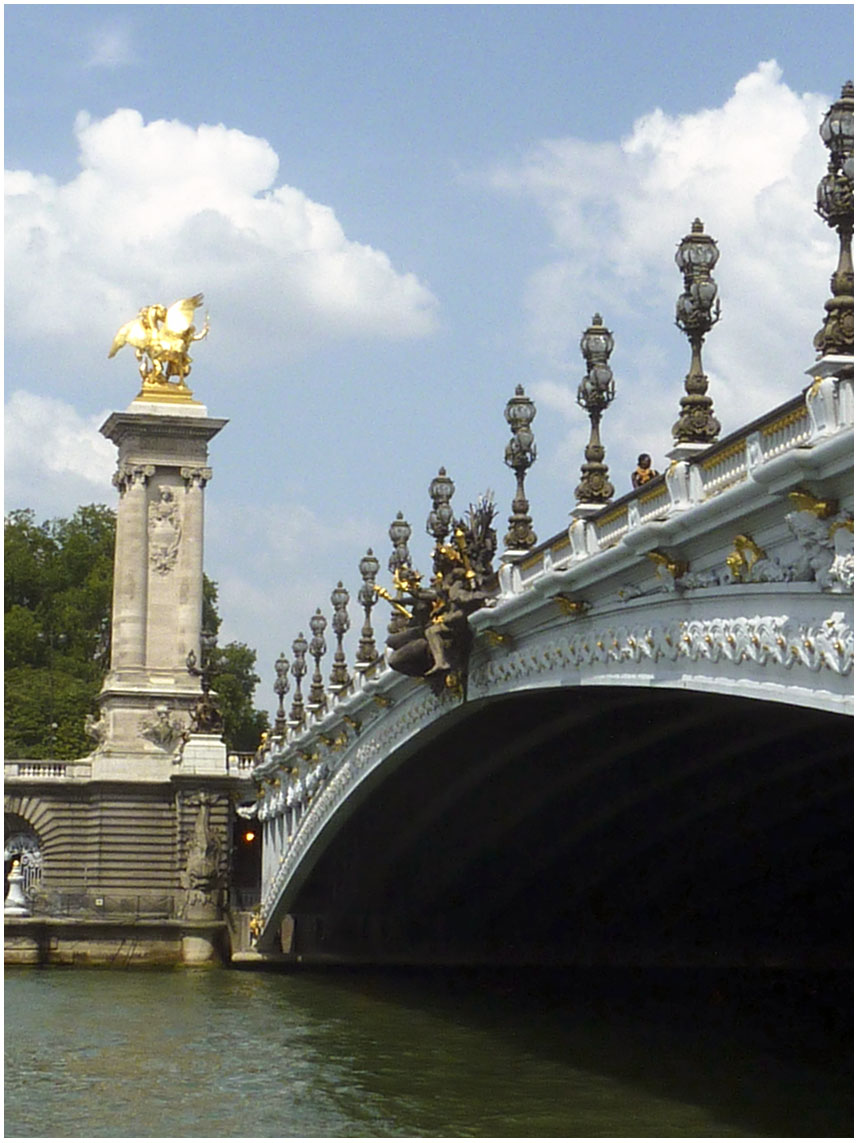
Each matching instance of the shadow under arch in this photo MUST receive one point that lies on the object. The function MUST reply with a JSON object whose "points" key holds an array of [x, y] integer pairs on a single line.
{"points": [[598, 825]]}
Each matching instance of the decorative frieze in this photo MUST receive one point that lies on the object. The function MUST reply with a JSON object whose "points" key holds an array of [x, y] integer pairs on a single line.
{"points": [[760, 639]]}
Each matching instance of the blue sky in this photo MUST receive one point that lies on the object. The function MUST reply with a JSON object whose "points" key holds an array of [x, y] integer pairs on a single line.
{"points": [[397, 214]]}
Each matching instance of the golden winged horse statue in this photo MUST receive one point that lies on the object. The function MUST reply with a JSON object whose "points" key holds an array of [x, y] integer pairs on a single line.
{"points": [[161, 336]]}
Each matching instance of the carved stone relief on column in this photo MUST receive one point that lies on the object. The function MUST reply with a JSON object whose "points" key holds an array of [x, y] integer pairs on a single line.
{"points": [[165, 530], [201, 877], [161, 729]]}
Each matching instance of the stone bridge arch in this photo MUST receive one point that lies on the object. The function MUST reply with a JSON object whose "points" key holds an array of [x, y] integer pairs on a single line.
{"points": [[589, 823]]}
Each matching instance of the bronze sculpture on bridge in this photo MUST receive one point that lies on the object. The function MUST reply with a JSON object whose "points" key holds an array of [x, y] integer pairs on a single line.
{"points": [[435, 642]]}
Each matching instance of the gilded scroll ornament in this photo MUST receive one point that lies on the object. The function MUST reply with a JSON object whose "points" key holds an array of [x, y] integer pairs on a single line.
{"points": [[743, 558]]}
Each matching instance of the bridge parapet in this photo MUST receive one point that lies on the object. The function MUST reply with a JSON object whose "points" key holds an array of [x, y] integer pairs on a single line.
{"points": [[822, 411]]}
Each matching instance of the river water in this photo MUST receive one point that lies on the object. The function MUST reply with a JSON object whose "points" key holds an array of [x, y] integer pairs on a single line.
{"points": [[229, 1053]]}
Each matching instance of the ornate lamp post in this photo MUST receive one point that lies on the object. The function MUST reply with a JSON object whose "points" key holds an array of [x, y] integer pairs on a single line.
{"points": [[368, 567], [520, 454], [595, 394], [441, 490], [299, 670], [339, 678], [316, 699], [281, 686], [835, 207], [400, 532], [697, 312]]}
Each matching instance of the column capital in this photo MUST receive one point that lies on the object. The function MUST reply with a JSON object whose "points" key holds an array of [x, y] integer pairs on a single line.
{"points": [[127, 475], [195, 477]]}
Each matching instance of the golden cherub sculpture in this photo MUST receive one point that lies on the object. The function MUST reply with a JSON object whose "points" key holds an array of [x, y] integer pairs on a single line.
{"points": [[161, 336]]}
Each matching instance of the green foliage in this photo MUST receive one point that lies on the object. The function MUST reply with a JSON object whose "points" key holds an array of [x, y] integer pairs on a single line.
{"points": [[233, 680], [58, 579]]}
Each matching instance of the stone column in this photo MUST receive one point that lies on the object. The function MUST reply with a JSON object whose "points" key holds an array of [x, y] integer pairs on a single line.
{"points": [[128, 643], [149, 694], [189, 614]]}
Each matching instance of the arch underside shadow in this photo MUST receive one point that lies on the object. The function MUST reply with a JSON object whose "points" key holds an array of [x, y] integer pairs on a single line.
{"points": [[600, 825]]}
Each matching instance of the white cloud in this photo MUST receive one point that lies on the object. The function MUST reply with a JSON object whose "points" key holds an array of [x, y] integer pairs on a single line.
{"points": [[617, 211], [110, 48], [55, 459], [162, 209]]}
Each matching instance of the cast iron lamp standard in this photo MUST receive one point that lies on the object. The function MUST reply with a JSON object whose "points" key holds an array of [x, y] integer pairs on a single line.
{"points": [[520, 454], [835, 207], [595, 394], [697, 312], [369, 568], [441, 490], [299, 670], [339, 678], [400, 533], [281, 686], [316, 698]]}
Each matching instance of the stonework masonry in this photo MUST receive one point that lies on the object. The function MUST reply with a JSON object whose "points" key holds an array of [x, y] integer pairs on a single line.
{"points": [[134, 840]]}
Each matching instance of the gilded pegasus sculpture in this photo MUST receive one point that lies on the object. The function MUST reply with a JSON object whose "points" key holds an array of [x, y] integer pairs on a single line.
{"points": [[161, 336]]}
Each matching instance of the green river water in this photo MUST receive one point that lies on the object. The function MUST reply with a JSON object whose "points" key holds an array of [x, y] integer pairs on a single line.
{"points": [[226, 1053]]}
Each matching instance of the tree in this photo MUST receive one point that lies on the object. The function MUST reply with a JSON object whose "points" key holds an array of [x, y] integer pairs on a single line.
{"points": [[231, 675], [58, 579]]}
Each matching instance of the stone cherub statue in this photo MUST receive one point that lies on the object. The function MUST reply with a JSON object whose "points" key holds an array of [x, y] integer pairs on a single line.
{"points": [[161, 336]]}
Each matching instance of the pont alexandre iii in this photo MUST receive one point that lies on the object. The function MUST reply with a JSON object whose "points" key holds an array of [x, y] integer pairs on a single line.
{"points": [[130, 846]]}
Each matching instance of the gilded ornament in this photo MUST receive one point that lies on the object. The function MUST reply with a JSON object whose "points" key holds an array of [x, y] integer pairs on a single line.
{"points": [[161, 336], [675, 568], [805, 501], [743, 558], [570, 606]]}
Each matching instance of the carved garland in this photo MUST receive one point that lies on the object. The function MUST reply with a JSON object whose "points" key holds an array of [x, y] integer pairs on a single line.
{"points": [[762, 640]]}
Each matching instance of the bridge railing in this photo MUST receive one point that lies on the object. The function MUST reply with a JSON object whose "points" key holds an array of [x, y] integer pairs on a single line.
{"points": [[824, 408], [46, 769]]}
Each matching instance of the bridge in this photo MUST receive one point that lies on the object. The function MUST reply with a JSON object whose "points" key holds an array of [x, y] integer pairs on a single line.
{"points": [[650, 761], [627, 744]]}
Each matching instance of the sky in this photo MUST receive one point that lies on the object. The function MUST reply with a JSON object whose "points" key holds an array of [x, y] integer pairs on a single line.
{"points": [[397, 214]]}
